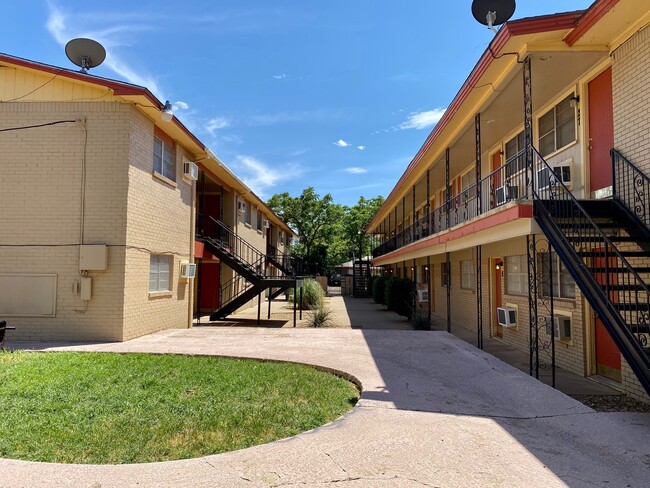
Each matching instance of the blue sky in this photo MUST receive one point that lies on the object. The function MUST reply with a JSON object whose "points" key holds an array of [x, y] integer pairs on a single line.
{"points": [[338, 95]]}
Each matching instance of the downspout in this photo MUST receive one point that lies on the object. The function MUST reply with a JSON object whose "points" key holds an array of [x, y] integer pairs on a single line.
{"points": [[190, 305]]}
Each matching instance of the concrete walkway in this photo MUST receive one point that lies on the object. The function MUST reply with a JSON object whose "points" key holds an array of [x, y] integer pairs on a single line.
{"points": [[435, 411]]}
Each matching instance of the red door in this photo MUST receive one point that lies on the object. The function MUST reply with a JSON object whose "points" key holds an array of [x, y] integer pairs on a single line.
{"points": [[601, 130], [608, 357], [498, 298], [210, 283]]}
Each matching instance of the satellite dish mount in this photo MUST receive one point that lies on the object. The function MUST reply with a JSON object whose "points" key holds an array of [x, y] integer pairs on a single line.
{"points": [[493, 12], [85, 53]]}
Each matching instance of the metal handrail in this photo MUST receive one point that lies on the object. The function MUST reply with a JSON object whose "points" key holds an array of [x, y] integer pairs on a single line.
{"points": [[557, 197], [631, 187], [237, 246], [511, 179], [227, 286]]}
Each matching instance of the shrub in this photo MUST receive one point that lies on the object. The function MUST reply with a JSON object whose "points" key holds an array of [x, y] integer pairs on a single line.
{"points": [[378, 290], [312, 295], [369, 284], [321, 317], [421, 320], [398, 296]]}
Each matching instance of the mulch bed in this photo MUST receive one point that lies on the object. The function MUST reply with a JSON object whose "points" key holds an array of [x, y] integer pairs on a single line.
{"points": [[613, 403]]}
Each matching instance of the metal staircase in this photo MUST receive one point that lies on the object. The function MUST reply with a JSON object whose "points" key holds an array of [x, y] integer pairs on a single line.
{"points": [[250, 266], [605, 245]]}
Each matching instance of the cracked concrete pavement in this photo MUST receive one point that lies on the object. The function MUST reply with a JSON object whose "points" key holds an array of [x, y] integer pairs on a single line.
{"points": [[434, 411]]}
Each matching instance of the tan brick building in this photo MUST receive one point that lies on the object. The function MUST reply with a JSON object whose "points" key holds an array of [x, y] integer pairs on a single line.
{"points": [[520, 160], [98, 214]]}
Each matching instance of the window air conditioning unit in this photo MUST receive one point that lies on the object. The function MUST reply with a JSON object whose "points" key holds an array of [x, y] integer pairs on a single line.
{"points": [[561, 172], [423, 295], [188, 271], [506, 193], [267, 224], [561, 327], [507, 316], [190, 171], [241, 206]]}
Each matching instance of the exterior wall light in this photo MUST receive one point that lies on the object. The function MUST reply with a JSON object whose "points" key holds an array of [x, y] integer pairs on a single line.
{"points": [[499, 265], [573, 101]]}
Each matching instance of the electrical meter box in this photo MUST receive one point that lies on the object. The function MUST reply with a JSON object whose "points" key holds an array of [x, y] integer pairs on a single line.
{"points": [[93, 257]]}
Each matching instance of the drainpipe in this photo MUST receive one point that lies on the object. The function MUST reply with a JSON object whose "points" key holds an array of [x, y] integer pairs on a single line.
{"points": [[190, 304]]}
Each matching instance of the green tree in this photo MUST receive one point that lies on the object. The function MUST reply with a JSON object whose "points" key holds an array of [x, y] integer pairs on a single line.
{"points": [[314, 220], [354, 224]]}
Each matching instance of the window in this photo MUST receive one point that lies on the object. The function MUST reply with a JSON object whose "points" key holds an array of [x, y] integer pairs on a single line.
{"points": [[444, 272], [247, 212], [513, 146], [516, 275], [163, 158], [563, 284], [467, 274], [557, 127], [467, 180], [159, 273], [260, 218]]}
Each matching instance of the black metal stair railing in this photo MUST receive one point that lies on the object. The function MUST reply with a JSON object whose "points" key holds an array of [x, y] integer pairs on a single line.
{"points": [[612, 286], [242, 252], [507, 183], [289, 265], [229, 292], [631, 187]]}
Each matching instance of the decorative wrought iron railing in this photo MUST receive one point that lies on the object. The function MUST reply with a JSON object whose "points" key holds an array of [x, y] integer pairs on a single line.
{"points": [[507, 183], [631, 187], [614, 288]]}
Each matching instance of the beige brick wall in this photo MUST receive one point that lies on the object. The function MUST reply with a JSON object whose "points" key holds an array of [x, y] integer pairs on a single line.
{"points": [[631, 99], [40, 194], [158, 222]]}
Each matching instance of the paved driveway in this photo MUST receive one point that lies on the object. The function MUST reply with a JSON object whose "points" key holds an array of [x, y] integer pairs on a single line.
{"points": [[434, 411]]}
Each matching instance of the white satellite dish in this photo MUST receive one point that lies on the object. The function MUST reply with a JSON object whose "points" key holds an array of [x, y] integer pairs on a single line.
{"points": [[85, 53]]}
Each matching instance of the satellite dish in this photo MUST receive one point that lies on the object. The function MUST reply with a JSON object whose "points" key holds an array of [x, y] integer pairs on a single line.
{"points": [[493, 12], [85, 53]]}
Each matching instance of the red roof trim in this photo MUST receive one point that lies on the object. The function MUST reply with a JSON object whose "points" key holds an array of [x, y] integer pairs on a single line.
{"points": [[588, 19], [518, 27]]}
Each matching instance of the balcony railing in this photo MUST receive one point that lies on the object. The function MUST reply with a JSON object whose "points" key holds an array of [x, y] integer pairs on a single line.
{"points": [[509, 182]]}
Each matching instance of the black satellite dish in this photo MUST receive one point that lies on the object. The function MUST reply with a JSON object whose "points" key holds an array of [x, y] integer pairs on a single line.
{"points": [[493, 12], [85, 53]]}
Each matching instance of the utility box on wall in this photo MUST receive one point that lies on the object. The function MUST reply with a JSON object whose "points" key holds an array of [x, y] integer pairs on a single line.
{"points": [[93, 257]]}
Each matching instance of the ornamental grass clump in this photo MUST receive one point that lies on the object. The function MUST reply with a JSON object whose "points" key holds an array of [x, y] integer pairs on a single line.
{"points": [[312, 295], [321, 317]]}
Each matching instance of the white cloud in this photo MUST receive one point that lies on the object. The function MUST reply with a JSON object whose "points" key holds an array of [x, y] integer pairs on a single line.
{"points": [[261, 177], [216, 123], [422, 120], [341, 143], [280, 76], [63, 27], [180, 105], [361, 148], [355, 170]]}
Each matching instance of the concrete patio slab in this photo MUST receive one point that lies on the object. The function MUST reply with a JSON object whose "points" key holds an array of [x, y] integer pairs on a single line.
{"points": [[435, 411]]}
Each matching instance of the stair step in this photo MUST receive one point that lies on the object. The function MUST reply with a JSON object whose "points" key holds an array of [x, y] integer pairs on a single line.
{"points": [[597, 238], [619, 287], [631, 306], [617, 269], [602, 225], [630, 254], [640, 328]]}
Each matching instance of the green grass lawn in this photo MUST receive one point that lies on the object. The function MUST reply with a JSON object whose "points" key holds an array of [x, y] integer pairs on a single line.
{"points": [[135, 408]]}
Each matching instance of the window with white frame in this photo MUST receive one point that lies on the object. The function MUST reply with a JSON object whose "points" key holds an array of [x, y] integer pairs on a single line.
{"points": [[563, 284], [160, 273], [247, 212], [163, 158], [516, 275], [466, 181], [467, 274], [260, 219], [557, 127], [445, 275], [515, 162]]}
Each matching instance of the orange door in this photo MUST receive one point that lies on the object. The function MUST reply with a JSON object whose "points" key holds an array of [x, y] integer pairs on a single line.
{"points": [[608, 357], [601, 130], [498, 298]]}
